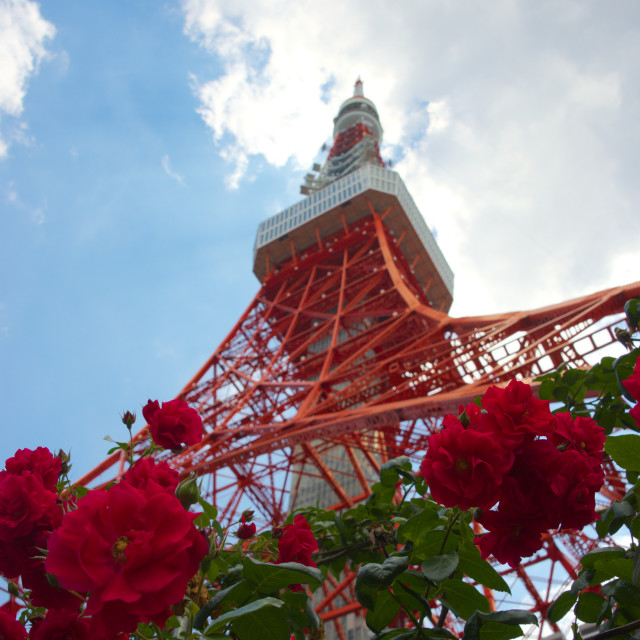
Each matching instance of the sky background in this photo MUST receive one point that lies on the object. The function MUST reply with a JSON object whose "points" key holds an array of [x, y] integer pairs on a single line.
{"points": [[141, 143]]}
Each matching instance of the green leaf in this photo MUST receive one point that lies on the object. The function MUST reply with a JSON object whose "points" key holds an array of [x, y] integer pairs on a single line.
{"points": [[632, 311], [607, 553], [383, 613], [462, 598], [561, 606], [265, 619], [416, 526], [582, 581], [438, 568], [390, 471], [382, 575], [431, 544], [589, 606], [497, 625], [374, 577], [625, 450], [207, 609], [268, 577], [480, 570]]}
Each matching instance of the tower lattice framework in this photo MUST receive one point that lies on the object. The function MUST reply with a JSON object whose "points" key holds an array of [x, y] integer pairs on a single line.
{"points": [[343, 361]]}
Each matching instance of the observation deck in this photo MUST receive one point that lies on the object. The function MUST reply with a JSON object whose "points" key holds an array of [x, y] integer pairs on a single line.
{"points": [[298, 227]]}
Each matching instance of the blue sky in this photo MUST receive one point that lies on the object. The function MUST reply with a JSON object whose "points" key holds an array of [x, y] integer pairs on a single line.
{"points": [[142, 143]]}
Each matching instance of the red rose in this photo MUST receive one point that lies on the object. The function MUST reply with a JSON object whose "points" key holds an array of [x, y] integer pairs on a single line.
{"points": [[173, 424], [10, 628], [514, 415], [296, 544], [583, 435], [246, 531], [25, 504], [632, 383], [635, 413], [146, 472], [465, 467], [60, 625], [134, 550], [41, 463]]}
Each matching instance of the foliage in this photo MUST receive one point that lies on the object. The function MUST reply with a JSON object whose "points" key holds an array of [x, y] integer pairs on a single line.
{"points": [[420, 572]]}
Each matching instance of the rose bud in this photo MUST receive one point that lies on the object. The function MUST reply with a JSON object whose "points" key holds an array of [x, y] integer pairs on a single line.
{"points": [[188, 491], [247, 515], [128, 419], [277, 532]]}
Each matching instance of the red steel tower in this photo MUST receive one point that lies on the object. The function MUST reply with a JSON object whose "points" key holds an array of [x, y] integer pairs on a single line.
{"points": [[346, 358]]}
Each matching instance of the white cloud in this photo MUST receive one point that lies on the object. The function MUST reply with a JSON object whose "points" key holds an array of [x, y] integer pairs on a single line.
{"points": [[514, 124], [23, 32], [172, 174]]}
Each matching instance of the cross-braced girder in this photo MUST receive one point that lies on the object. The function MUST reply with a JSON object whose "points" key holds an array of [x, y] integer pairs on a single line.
{"points": [[339, 363]]}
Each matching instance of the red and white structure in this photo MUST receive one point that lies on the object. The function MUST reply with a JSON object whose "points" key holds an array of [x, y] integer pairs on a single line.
{"points": [[346, 358]]}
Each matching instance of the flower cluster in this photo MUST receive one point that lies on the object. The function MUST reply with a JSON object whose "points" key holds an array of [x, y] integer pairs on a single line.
{"points": [[120, 556], [541, 470], [30, 510], [131, 549]]}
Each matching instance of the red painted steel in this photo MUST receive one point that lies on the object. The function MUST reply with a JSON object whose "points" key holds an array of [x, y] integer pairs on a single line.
{"points": [[340, 353]]}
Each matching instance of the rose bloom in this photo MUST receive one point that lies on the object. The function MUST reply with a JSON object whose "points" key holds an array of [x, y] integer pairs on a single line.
{"points": [[60, 625], [41, 463], [465, 467], [246, 531], [296, 544], [515, 415], [10, 628], [173, 424], [582, 434], [133, 550], [632, 383], [147, 473], [25, 504]]}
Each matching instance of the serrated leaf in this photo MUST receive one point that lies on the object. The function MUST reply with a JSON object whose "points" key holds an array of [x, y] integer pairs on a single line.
{"points": [[268, 577], [561, 606], [625, 450], [438, 568], [410, 597], [373, 577], [473, 566]]}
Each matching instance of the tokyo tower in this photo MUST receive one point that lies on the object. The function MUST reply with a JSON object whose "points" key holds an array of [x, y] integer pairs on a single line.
{"points": [[347, 358]]}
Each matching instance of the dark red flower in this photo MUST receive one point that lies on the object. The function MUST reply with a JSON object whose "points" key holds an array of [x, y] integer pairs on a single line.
{"points": [[632, 383], [173, 424], [10, 628], [635, 413], [40, 462], [582, 434], [25, 504], [246, 531], [60, 625], [134, 550], [147, 473], [514, 415], [465, 467], [296, 544]]}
